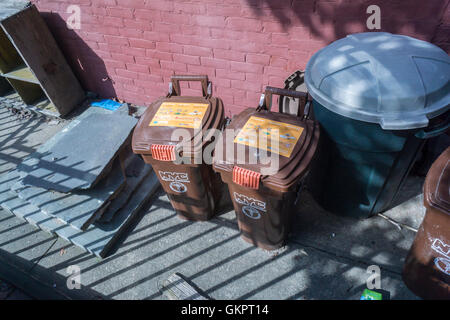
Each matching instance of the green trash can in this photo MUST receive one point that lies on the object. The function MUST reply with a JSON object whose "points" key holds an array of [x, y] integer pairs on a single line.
{"points": [[377, 97]]}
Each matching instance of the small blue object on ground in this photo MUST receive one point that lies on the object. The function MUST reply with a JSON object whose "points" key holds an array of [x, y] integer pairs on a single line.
{"points": [[107, 104]]}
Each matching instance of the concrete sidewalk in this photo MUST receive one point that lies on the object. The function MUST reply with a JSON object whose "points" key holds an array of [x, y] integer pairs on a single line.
{"points": [[326, 258]]}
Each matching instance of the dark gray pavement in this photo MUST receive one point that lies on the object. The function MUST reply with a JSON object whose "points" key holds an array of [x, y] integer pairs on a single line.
{"points": [[10, 292]]}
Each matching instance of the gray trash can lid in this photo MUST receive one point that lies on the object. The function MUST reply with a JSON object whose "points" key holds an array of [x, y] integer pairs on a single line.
{"points": [[396, 81]]}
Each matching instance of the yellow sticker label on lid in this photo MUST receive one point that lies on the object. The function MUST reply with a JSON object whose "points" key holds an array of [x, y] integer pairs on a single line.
{"points": [[286, 134], [177, 114]]}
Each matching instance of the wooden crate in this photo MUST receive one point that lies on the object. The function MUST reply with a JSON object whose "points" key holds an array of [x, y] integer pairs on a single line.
{"points": [[34, 66]]}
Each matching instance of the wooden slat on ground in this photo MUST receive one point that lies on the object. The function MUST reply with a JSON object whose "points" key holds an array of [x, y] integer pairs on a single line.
{"points": [[98, 239]]}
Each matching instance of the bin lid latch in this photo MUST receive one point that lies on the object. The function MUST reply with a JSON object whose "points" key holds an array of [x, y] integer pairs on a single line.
{"points": [[246, 178], [163, 152]]}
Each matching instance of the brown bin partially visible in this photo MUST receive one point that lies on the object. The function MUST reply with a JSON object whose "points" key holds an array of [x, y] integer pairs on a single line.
{"points": [[264, 203], [193, 188], [427, 267]]}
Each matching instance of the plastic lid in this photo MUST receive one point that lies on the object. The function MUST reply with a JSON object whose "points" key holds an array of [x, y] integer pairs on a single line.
{"points": [[288, 169], [437, 183], [155, 134], [157, 124], [394, 80]]}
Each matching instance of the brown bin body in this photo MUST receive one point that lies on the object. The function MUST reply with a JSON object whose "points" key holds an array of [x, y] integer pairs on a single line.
{"points": [[193, 188], [264, 204], [427, 267]]}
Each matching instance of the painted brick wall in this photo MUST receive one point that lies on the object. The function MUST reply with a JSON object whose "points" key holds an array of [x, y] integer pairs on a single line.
{"points": [[129, 48], [442, 34]]}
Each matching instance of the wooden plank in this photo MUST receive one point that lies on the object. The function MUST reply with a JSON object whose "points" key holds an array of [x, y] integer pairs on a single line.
{"points": [[29, 92], [44, 106], [31, 37], [34, 98], [9, 58], [99, 239], [75, 161], [22, 73], [75, 208], [132, 183]]}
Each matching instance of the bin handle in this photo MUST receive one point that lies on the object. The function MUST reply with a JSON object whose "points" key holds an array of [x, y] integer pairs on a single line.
{"points": [[175, 89], [266, 99], [422, 134]]}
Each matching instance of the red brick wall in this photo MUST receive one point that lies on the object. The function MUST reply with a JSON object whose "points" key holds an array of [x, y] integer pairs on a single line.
{"points": [[442, 34], [129, 48]]}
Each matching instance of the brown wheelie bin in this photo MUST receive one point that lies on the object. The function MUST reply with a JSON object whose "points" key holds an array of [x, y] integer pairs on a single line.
{"points": [[427, 267], [264, 190], [171, 136]]}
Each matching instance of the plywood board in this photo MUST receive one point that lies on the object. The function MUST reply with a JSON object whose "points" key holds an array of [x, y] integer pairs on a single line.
{"points": [[133, 182], [98, 239], [77, 208], [23, 73], [82, 155]]}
